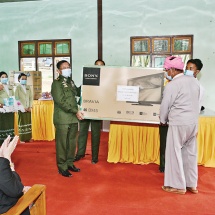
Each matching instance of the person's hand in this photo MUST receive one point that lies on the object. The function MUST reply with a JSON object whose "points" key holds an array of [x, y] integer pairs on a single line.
{"points": [[1, 86], [25, 189], [29, 109], [4, 145], [163, 124], [8, 147], [80, 115]]}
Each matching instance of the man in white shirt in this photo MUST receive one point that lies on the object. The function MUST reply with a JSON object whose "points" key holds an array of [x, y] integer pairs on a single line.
{"points": [[180, 109]]}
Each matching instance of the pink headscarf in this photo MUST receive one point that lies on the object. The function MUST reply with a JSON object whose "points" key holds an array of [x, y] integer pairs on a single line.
{"points": [[173, 62]]}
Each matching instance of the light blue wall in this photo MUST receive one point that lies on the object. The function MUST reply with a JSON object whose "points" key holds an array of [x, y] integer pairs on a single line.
{"points": [[77, 19]]}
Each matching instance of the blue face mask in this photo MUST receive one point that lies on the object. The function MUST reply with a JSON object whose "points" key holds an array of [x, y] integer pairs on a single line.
{"points": [[4, 80], [23, 82], [168, 77], [188, 73]]}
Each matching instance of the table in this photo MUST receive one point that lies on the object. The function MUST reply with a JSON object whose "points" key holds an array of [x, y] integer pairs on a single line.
{"points": [[42, 120], [139, 143]]}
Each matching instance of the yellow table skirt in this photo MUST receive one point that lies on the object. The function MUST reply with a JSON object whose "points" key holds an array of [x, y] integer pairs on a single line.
{"points": [[140, 144], [42, 121]]}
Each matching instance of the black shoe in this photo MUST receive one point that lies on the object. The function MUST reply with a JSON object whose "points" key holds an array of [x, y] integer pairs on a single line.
{"points": [[65, 173], [73, 168], [78, 157], [94, 161], [161, 168]]}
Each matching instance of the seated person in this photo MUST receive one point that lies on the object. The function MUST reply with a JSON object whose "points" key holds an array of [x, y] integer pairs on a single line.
{"points": [[11, 187]]}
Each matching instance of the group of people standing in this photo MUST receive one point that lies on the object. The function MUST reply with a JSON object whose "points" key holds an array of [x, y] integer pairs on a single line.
{"points": [[67, 118], [179, 113], [22, 96]]}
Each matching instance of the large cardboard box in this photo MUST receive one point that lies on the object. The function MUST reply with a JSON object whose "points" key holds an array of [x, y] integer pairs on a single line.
{"points": [[34, 80], [122, 93]]}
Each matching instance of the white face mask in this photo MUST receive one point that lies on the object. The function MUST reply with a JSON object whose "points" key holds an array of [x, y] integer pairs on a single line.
{"points": [[66, 72]]}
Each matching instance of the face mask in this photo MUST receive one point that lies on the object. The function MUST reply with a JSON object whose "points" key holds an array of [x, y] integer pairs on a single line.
{"points": [[188, 73], [168, 77], [4, 80], [23, 82], [66, 73]]}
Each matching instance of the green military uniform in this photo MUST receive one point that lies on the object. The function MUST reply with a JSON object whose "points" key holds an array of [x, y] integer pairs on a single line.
{"points": [[6, 119], [64, 94], [95, 138]]}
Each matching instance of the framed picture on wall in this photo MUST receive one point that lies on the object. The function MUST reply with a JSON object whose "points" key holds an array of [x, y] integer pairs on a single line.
{"points": [[161, 45], [140, 45], [181, 44]]}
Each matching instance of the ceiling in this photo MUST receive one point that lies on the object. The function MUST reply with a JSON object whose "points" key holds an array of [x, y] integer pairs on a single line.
{"points": [[7, 1]]}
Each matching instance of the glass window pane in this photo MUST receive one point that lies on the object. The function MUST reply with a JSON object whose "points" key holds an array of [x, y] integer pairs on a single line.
{"points": [[140, 60], [62, 48], [56, 60], [181, 45], [45, 66], [45, 48], [28, 49], [27, 64], [141, 46]]}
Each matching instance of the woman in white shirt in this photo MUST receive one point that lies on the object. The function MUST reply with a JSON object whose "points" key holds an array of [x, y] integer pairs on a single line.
{"points": [[6, 119], [24, 95]]}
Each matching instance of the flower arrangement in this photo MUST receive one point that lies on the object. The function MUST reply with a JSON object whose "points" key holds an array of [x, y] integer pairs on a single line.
{"points": [[46, 95]]}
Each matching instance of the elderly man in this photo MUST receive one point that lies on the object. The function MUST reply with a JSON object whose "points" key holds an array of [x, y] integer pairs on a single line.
{"points": [[180, 109]]}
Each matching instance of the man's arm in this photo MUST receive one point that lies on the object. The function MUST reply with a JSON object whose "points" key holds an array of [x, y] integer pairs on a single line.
{"points": [[167, 101], [10, 182]]}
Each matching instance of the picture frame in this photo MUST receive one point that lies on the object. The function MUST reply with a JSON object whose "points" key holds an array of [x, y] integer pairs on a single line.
{"points": [[161, 45], [140, 45]]}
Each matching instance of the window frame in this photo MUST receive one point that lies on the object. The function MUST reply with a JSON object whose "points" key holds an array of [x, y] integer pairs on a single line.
{"points": [[37, 53], [170, 51]]}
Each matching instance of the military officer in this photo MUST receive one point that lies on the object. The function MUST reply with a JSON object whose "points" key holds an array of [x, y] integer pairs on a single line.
{"points": [[95, 131], [66, 116]]}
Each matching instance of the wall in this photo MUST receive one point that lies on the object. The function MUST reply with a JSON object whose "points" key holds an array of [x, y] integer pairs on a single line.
{"points": [[77, 19]]}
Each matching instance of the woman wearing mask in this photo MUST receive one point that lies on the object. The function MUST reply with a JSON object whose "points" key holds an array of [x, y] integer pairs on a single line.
{"points": [[24, 95], [6, 91]]}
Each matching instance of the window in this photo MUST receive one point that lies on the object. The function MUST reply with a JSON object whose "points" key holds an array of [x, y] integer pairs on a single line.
{"points": [[43, 55], [152, 51]]}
